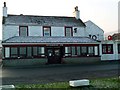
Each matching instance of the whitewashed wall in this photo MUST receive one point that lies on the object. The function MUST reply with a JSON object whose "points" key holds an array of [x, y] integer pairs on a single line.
{"points": [[35, 31], [9, 31], [114, 56], [80, 32], [57, 31], [93, 29]]}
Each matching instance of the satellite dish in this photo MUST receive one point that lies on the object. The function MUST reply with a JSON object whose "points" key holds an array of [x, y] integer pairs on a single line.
{"points": [[94, 37]]}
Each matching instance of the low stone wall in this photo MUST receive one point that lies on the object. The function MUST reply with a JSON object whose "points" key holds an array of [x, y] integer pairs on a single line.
{"points": [[80, 60], [43, 61], [24, 62]]}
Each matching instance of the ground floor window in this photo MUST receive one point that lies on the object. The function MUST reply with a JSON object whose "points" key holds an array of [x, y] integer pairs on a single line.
{"points": [[24, 52], [82, 50], [13, 52], [41, 51], [107, 48]]}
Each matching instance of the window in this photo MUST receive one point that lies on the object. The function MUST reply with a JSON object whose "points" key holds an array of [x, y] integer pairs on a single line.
{"points": [[29, 51], [91, 50], [34, 51], [38, 51], [67, 51], [78, 51], [107, 49], [74, 51], [68, 31], [84, 51], [13, 52], [22, 52], [41, 51], [46, 31], [23, 31]]}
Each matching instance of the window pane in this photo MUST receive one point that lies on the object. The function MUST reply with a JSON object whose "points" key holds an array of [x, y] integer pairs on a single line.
{"points": [[46, 31], [14, 52], [67, 51], [22, 52], [96, 50], [68, 32], [78, 51], [34, 51], [73, 51], [104, 48], [110, 49], [7, 52], [84, 50], [23, 31], [29, 51], [90, 50], [39, 50]]}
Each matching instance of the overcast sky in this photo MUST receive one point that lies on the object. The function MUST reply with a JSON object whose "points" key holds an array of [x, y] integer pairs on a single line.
{"points": [[104, 13]]}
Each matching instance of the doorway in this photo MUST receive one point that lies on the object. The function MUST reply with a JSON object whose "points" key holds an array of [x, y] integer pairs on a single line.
{"points": [[54, 55]]}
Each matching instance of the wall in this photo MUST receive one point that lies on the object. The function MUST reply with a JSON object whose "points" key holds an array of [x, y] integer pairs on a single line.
{"points": [[35, 31], [12, 30], [9, 31], [24, 62], [93, 29], [115, 55], [57, 31], [80, 32], [81, 60]]}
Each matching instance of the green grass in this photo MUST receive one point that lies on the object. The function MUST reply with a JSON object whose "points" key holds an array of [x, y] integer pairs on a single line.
{"points": [[95, 84]]}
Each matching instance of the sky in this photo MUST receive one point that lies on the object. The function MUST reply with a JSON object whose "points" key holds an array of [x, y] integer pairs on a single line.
{"points": [[103, 13]]}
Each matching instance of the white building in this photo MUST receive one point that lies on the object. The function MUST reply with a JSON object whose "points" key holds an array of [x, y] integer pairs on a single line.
{"points": [[31, 40], [94, 31]]}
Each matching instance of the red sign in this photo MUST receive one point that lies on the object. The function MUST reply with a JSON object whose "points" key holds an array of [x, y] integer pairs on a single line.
{"points": [[109, 37]]}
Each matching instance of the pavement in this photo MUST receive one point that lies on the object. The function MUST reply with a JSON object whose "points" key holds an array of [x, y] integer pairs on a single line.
{"points": [[58, 73]]}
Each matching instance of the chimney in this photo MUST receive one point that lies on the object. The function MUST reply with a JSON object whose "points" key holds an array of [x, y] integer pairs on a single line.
{"points": [[76, 13], [5, 10]]}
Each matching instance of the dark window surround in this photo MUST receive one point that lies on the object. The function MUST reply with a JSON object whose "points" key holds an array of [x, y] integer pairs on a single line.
{"points": [[47, 27], [23, 26], [71, 30], [76, 54], [39, 55], [18, 53], [119, 48], [107, 45]]}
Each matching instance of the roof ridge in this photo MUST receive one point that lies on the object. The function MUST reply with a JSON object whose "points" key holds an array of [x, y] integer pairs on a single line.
{"points": [[39, 15]]}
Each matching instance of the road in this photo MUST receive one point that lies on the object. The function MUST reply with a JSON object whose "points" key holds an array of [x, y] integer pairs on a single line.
{"points": [[57, 73]]}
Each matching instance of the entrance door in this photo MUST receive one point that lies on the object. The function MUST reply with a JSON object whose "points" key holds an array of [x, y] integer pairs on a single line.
{"points": [[54, 55]]}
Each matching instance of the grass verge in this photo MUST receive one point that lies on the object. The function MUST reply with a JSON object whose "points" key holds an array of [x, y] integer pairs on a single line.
{"points": [[95, 84]]}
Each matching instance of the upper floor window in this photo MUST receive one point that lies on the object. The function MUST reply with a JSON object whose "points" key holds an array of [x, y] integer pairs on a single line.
{"points": [[107, 48], [46, 31], [68, 31], [23, 31]]}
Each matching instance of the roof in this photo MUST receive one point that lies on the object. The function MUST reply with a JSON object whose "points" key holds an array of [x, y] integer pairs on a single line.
{"points": [[44, 40], [42, 20], [116, 36]]}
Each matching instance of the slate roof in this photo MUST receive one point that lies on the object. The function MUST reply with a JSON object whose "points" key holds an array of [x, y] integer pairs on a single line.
{"points": [[116, 36], [38, 39], [42, 20]]}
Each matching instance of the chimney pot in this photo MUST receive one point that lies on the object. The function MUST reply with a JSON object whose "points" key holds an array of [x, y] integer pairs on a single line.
{"points": [[4, 4]]}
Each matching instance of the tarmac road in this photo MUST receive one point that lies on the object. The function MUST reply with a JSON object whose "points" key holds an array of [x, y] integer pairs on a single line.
{"points": [[57, 73]]}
